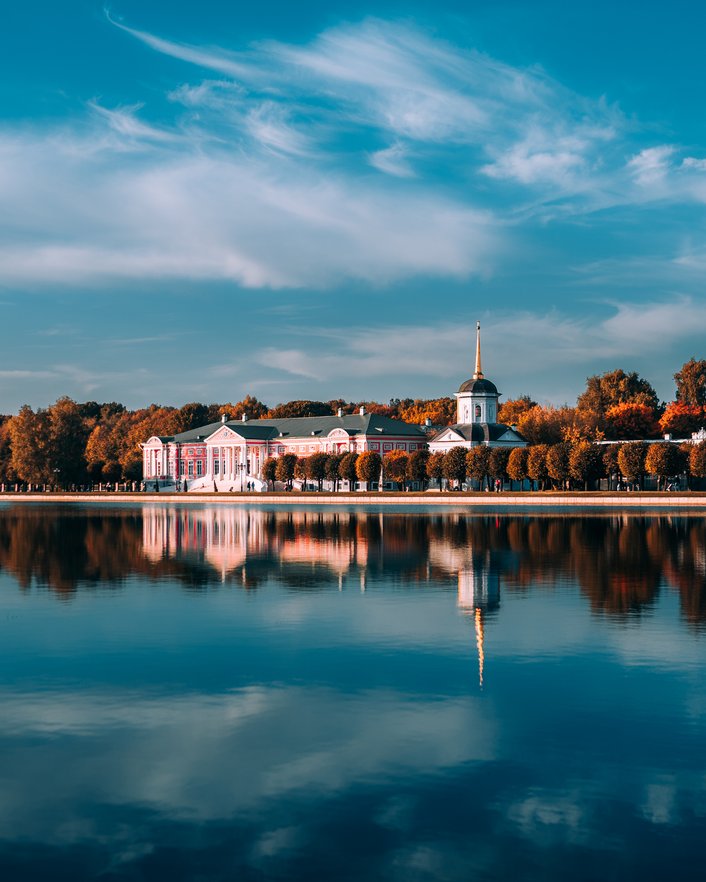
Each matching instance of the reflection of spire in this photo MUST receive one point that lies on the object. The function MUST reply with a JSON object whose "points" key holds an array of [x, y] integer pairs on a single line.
{"points": [[478, 374], [479, 644]]}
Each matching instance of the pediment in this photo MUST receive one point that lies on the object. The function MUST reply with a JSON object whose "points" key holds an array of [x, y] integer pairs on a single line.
{"points": [[338, 433], [225, 433], [449, 435]]}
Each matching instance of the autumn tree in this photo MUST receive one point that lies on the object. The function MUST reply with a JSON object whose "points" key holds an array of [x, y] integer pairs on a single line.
{"points": [[347, 469], [6, 471], [299, 408], [435, 467], [609, 455], [440, 411], [394, 466], [682, 419], [616, 387], [66, 449], [191, 416], [511, 410], [499, 457], [697, 460], [269, 471], [537, 465], [417, 466], [585, 463], [29, 440], [631, 461], [284, 471], [454, 465], [368, 467], [631, 421], [691, 383], [517, 464], [558, 464], [664, 461], [478, 463]]}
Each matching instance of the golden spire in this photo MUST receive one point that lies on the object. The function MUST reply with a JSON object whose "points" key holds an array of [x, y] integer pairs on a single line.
{"points": [[478, 375]]}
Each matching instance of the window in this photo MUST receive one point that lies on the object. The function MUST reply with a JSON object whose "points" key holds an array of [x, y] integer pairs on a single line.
{"points": [[170, 468], [191, 469], [216, 466], [477, 411], [199, 467], [181, 468], [399, 447], [374, 445], [387, 445], [190, 451]]}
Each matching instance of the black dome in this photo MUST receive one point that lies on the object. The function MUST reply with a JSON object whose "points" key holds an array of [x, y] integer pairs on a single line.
{"points": [[483, 386]]}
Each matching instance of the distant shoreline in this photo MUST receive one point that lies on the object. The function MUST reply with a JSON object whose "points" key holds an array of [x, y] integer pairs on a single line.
{"points": [[539, 499]]}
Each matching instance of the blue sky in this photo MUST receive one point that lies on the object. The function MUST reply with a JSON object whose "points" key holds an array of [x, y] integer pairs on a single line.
{"points": [[199, 201]]}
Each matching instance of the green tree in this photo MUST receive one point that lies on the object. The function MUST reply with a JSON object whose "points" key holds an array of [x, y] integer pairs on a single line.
{"points": [[616, 387], [517, 464], [664, 460], [285, 469], [66, 448], [691, 382], [269, 471], [499, 457], [585, 462], [316, 468], [454, 466], [478, 463], [558, 464], [331, 469], [537, 470], [347, 469], [368, 467], [631, 461]]}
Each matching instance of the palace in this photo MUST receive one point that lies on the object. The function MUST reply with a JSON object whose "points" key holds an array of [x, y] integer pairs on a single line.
{"points": [[229, 455]]}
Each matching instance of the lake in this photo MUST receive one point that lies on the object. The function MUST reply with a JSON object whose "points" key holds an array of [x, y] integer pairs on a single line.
{"points": [[225, 693]]}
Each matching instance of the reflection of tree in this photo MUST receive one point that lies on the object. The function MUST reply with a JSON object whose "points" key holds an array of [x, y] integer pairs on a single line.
{"points": [[618, 561]]}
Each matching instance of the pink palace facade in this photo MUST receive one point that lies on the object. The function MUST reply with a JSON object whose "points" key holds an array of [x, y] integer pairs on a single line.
{"points": [[230, 454]]}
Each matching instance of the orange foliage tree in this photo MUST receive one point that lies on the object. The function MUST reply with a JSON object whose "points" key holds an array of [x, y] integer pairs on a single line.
{"points": [[682, 419], [630, 421]]}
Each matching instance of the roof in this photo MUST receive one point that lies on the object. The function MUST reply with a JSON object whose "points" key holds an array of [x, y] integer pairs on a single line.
{"points": [[482, 386], [480, 432], [301, 427]]}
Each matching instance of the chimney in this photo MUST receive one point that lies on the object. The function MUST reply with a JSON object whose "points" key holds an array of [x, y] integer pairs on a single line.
{"points": [[224, 418], [362, 410], [340, 412], [427, 422], [668, 436], [244, 418]]}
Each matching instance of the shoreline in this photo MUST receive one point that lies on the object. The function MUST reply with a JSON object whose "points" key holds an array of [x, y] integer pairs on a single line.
{"points": [[538, 499]]}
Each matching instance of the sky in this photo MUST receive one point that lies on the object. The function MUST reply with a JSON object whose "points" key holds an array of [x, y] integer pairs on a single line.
{"points": [[319, 200]]}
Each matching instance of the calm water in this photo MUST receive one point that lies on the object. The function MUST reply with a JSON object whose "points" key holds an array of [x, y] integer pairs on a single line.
{"points": [[224, 694]]}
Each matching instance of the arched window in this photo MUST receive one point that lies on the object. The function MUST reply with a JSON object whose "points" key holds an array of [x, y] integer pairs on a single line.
{"points": [[477, 411]]}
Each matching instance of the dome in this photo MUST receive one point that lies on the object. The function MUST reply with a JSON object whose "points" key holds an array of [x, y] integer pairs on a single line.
{"points": [[480, 387]]}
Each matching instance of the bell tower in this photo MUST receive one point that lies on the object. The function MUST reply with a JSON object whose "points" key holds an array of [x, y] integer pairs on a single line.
{"points": [[477, 398]]}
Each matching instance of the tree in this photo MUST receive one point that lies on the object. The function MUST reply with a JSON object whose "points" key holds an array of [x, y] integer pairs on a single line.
{"points": [[664, 460], [284, 471], [331, 469], [394, 466], [435, 467], [66, 447], [691, 383], [616, 387], [192, 415], [347, 469], [697, 460], [610, 459], [478, 463], [631, 421], [537, 465], [6, 471], [441, 411], [29, 439], [300, 408], [454, 465], [417, 467], [269, 471], [499, 457], [315, 468], [368, 467], [517, 464], [558, 464], [510, 411], [631, 461], [682, 419], [585, 462]]}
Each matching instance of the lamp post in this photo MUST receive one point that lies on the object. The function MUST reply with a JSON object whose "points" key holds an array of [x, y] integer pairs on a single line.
{"points": [[57, 472], [241, 468]]}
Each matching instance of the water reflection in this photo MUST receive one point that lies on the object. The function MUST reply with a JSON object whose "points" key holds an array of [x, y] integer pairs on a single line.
{"points": [[621, 562]]}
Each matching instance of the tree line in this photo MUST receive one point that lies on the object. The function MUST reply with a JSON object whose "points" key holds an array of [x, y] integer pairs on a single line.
{"points": [[71, 443]]}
